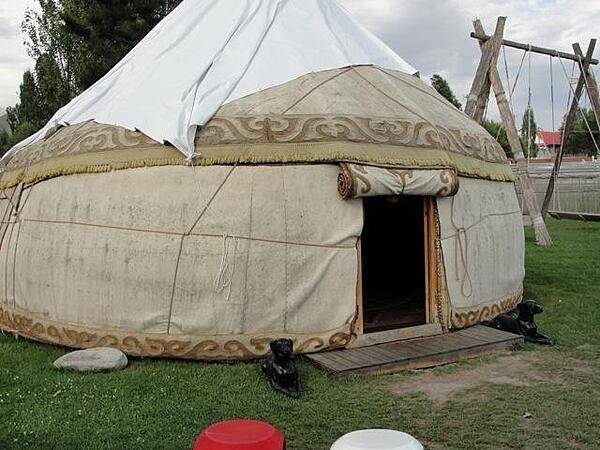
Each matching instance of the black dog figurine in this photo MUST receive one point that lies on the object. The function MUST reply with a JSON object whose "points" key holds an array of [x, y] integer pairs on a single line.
{"points": [[521, 321], [280, 368]]}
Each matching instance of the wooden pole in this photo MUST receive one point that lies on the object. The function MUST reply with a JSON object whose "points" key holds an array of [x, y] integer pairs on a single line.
{"points": [[591, 83], [584, 64], [488, 58], [484, 95], [529, 199], [535, 49]]}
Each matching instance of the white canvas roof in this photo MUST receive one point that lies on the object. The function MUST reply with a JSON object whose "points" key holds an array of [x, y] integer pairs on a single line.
{"points": [[207, 53]]}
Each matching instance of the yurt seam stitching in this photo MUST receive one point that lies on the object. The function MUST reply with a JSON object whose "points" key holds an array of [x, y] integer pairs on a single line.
{"points": [[431, 123], [183, 236], [321, 84], [176, 233], [483, 219]]}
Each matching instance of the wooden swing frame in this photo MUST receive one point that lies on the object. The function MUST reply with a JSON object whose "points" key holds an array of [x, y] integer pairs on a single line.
{"points": [[487, 78]]}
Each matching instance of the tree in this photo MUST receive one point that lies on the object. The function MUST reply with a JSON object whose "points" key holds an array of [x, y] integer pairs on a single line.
{"points": [[73, 44], [28, 100], [579, 139], [4, 142], [12, 117], [91, 36], [52, 89], [528, 133], [442, 86], [497, 130]]}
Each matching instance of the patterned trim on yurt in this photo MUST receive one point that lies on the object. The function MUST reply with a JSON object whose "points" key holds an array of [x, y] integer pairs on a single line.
{"points": [[442, 301], [464, 317], [92, 147], [220, 348]]}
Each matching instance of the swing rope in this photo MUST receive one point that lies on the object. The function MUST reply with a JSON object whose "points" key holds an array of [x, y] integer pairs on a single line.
{"points": [[510, 91], [552, 95], [555, 198], [578, 107], [529, 107]]}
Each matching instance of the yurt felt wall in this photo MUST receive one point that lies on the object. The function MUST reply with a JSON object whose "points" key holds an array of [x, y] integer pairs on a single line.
{"points": [[483, 250], [212, 262]]}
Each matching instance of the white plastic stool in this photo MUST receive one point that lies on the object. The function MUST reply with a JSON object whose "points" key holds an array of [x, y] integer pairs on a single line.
{"points": [[377, 440]]}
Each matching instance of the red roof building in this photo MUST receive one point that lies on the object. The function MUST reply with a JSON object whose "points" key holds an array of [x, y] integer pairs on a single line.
{"points": [[549, 139]]}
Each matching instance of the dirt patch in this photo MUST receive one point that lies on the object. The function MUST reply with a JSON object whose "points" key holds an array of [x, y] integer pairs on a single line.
{"points": [[514, 370]]}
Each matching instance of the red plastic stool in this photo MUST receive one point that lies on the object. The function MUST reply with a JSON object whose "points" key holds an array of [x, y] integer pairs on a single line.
{"points": [[240, 435]]}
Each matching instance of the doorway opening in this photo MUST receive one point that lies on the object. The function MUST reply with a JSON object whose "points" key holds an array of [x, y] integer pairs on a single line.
{"points": [[393, 263]]}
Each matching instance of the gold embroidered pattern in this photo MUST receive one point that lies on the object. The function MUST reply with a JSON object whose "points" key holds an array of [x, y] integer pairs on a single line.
{"points": [[461, 318], [78, 139], [327, 128], [139, 344], [92, 137]]}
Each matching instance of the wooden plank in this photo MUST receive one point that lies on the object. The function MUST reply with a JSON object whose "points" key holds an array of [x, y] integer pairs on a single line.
{"points": [[435, 360], [416, 353], [584, 65], [485, 333], [365, 340]]}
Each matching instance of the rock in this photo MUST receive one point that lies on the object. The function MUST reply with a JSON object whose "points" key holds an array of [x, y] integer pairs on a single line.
{"points": [[93, 360]]}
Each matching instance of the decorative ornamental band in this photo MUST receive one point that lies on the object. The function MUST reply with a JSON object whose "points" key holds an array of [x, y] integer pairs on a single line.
{"points": [[217, 348], [330, 128]]}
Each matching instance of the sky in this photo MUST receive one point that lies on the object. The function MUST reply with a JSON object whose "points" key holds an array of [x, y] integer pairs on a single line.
{"points": [[432, 35]]}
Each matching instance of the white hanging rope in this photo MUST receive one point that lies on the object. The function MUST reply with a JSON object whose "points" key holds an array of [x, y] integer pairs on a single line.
{"points": [[461, 250], [225, 273], [511, 91], [552, 94], [507, 76], [555, 198]]}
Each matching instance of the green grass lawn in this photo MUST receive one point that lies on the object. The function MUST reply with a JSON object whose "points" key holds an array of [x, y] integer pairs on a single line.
{"points": [[166, 404]]}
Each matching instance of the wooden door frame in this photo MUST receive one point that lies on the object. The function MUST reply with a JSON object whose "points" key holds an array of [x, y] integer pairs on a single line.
{"points": [[431, 325]]}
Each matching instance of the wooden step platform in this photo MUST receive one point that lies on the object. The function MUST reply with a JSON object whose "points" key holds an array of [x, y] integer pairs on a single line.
{"points": [[417, 353]]}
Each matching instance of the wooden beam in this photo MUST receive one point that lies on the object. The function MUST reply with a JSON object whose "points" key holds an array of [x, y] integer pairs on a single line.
{"points": [[484, 95], [505, 113], [584, 64], [488, 57], [534, 49], [529, 198], [592, 84]]}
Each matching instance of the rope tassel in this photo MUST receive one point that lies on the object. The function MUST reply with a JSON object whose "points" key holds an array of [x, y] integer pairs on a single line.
{"points": [[225, 273]]}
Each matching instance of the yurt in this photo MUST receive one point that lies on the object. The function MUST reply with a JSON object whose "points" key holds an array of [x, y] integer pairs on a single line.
{"points": [[255, 170]]}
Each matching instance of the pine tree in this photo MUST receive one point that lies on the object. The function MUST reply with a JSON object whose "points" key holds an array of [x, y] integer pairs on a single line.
{"points": [[442, 86], [529, 130], [497, 130], [28, 100]]}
